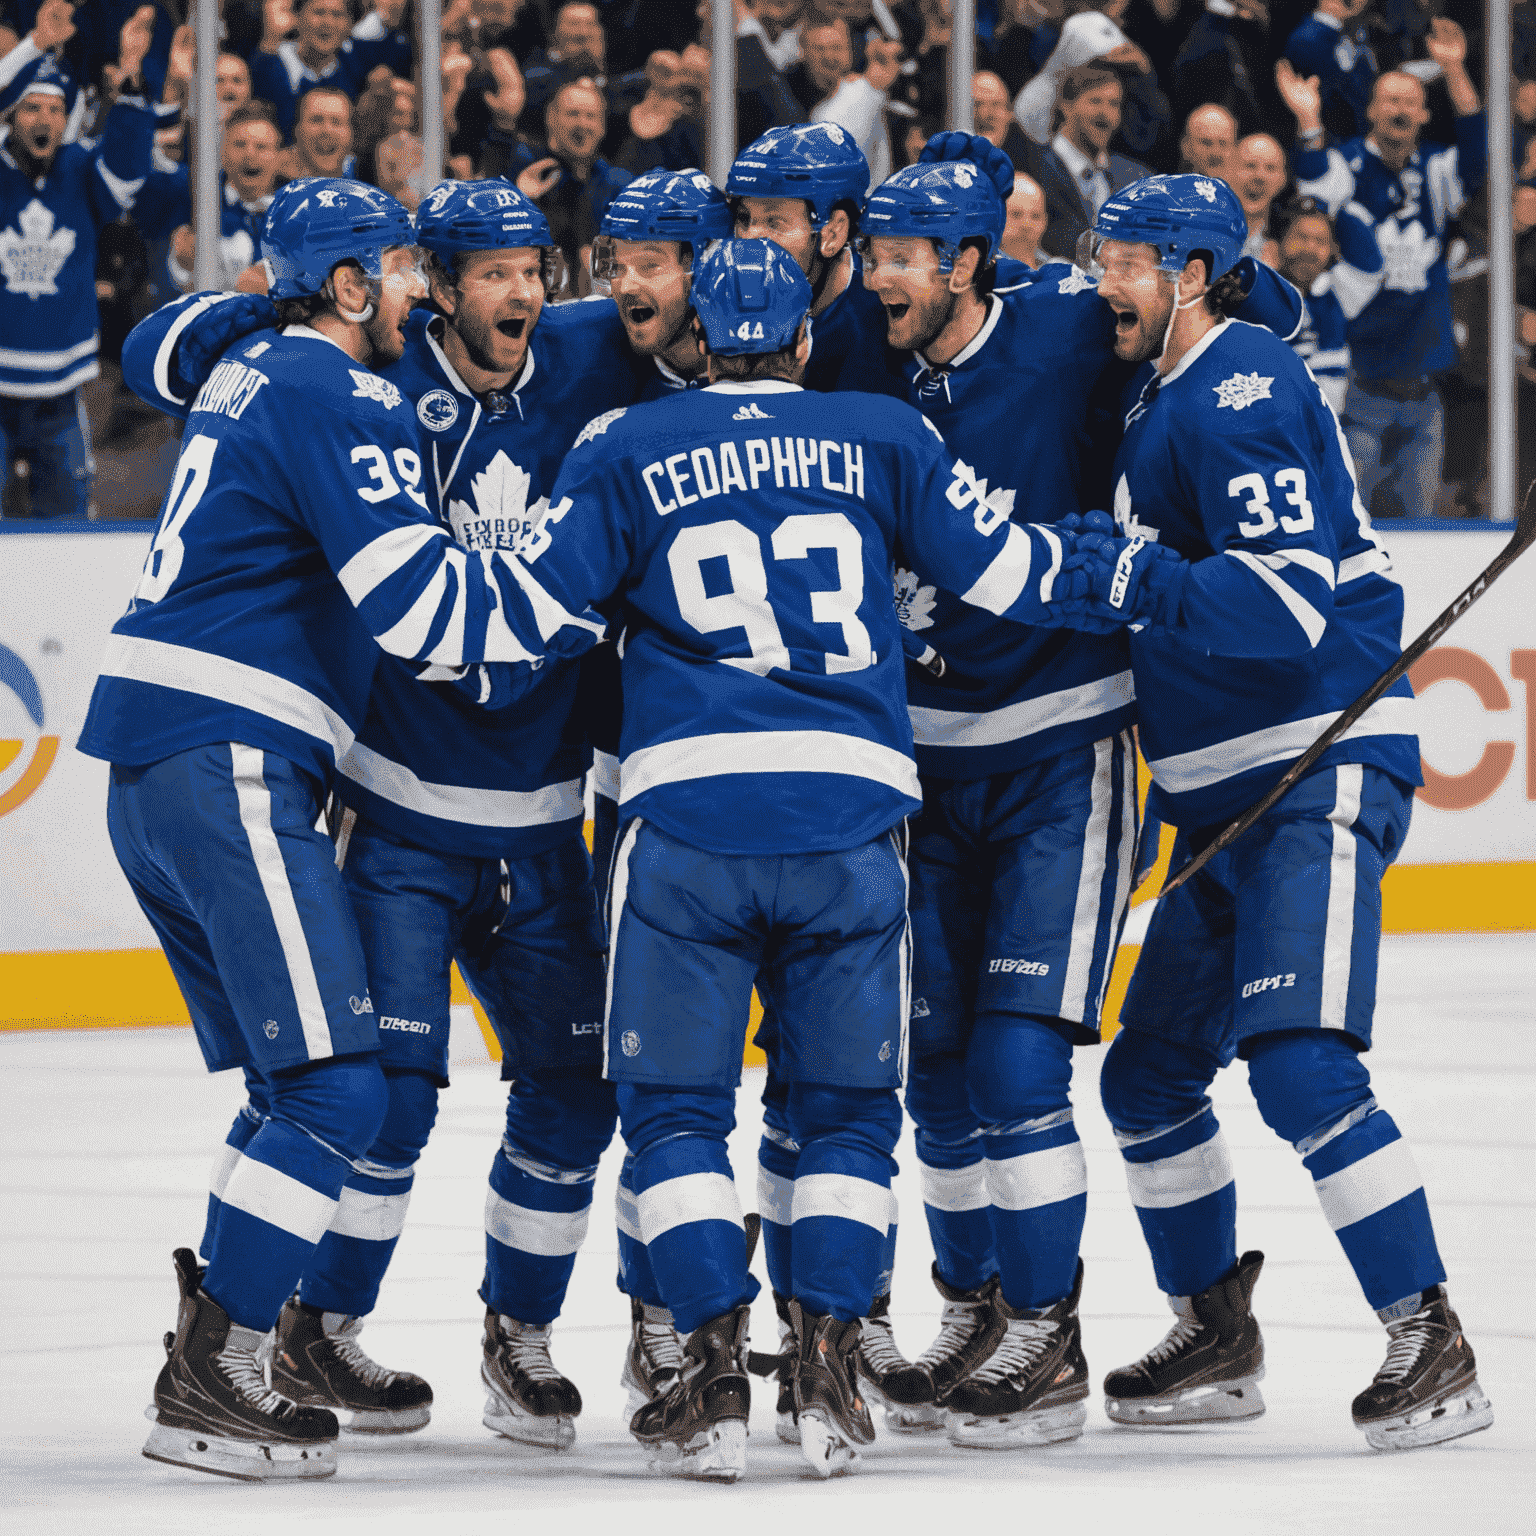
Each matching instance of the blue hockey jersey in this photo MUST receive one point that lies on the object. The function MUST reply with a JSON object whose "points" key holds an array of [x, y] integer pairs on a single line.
{"points": [[48, 230], [1291, 611], [428, 764], [295, 542], [1406, 331], [1344, 65], [746, 531]]}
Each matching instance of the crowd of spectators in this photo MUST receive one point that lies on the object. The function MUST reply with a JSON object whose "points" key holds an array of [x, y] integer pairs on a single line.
{"points": [[1351, 131]]}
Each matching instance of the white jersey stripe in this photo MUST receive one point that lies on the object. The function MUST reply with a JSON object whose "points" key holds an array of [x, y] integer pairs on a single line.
{"points": [[452, 802], [255, 802], [684, 1200], [223, 1166], [843, 1196], [1126, 866], [732, 752], [408, 635], [279, 1200], [626, 1213], [1339, 927], [946, 728], [605, 775], [1090, 882], [380, 560], [1313, 624], [42, 362], [549, 1234], [1379, 1179]]}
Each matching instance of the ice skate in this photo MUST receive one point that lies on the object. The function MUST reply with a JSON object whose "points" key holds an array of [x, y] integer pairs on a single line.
{"points": [[655, 1357], [968, 1332], [829, 1405], [318, 1361], [1033, 1388], [890, 1380], [698, 1427], [782, 1368], [214, 1412], [1426, 1391], [1208, 1367], [527, 1400]]}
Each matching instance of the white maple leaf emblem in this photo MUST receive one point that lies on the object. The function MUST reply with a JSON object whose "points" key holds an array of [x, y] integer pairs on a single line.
{"points": [[1076, 281], [914, 601], [1407, 255], [1207, 190], [371, 387], [598, 425], [30, 261], [501, 517], [1241, 390]]}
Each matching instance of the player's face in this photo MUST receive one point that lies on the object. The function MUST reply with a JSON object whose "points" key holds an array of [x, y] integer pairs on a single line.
{"points": [[650, 285], [904, 275], [1306, 250], [39, 125], [784, 220], [403, 285], [250, 159], [1140, 295], [500, 295]]}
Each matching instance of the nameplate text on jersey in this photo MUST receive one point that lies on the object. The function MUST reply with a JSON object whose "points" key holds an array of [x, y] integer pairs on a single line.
{"points": [[791, 461], [230, 388]]}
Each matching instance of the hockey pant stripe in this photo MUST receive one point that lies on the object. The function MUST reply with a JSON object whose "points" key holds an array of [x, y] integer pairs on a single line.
{"points": [[689, 1198], [953, 1190], [349, 1264], [1038, 1184]]}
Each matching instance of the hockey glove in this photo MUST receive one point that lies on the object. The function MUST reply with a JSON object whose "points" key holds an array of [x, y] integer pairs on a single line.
{"points": [[981, 152], [1131, 580], [206, 338]]}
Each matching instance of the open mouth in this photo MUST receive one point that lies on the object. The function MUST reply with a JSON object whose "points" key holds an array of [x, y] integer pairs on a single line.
{"points": [[1126, 321], [639, 314], [895, 313], [513, 329]]}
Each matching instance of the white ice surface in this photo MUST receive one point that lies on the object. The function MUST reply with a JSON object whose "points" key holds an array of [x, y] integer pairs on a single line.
{"points": [[107, 1139]]}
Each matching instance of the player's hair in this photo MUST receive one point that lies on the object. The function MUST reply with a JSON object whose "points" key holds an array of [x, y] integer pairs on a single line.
{"points": [[254, 111], [742, 367], [308, 307], [1226, 295], [986, 269]]}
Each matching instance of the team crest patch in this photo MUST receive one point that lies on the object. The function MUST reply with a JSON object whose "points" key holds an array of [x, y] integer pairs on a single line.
{"points": [[371, 387], [1076, 281], [598, 425], [1241, 390], [269, 1029], [914, 602], [437, 410], [630, 1043], [885, 1050]]}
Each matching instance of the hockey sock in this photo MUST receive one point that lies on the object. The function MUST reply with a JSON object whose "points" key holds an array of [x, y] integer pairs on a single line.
{"points": [[284, 1190], [1314, 1091], [249, 1120], [636, 1277], [348, 1266], [776, 1165], [1018, 1072], [540, 1196], [953, 1173], [843, 1209], [690, 1218]]}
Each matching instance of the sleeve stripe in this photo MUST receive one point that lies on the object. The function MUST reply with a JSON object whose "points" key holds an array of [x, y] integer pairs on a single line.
{"points": [[168, 345], [1374, 562], [1308, 559], [998, 587], [1048, 581], [1334, 360], [409, 634], [1312, 622], [547, 612], [123, 192], [377, 561]]}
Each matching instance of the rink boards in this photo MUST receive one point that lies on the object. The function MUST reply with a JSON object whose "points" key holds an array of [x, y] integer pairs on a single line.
{"points": [[76, 952]]}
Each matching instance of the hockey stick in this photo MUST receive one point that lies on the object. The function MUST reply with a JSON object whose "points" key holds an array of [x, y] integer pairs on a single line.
{"points": [[1524, 536]]}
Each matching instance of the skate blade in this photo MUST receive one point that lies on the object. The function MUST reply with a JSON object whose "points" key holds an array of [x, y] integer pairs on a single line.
{"points": [[918, 1419], [717, 1454], [1009, 1431], [1459, 1413], [384, 1421], [248, 1461], [552, 1433], [825, 1450], [1220, 1403], [787, 1427]]}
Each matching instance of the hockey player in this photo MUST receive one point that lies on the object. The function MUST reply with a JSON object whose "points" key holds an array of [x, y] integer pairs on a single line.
{"points": [[54, 200], [1261, 604], [1022, 858], [764, 776], [295, 544]]}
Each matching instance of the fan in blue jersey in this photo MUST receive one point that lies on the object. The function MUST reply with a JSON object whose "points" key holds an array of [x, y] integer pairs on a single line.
{"points": [[1023, 856], [746, 532], [294, 550], [55, 198], [1261, 604]]}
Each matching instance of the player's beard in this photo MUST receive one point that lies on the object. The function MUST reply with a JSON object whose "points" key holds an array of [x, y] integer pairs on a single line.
{"points": [[386, 335], [1144, 340], [476, 336], [928, 320]]}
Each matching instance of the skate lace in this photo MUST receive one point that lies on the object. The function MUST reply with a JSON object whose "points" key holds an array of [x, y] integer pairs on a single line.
{"points": [[1410, 1339], [1185, 1331], [957, 1327], [1023, 1344], [243, 1372], [880, 1350], [353, 1356], [662, 1348], [528, 1350]]}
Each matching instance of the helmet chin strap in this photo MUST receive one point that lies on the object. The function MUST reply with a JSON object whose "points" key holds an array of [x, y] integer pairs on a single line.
{"points": [[1173, 314]]}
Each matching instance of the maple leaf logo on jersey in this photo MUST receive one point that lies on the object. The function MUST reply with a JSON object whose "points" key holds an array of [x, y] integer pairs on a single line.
{"points": [[914, 602], [30, 261], [1407, 255], [1076, 281], [598, 425], [1207, 190], [751, 412], [371, 387], [501, 517], [1241, 390]]}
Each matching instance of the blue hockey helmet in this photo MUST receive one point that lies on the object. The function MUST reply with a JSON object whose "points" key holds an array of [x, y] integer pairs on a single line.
{"points": [[478, 216], [945, 201], [319, 221], [819, 162], [1176, 215], [750, 296], [669, 205]]}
